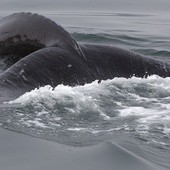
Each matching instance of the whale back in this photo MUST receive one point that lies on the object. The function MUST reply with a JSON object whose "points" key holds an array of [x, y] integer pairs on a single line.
{"points": [[48, 66], [24, 33]]}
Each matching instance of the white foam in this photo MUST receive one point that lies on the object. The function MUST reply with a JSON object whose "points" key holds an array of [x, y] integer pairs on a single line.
{"points": [[90, 130], [160, 143], [79, 129], [135, 111], [109, 130], [35, 122], [167, 131], [146, 99]]}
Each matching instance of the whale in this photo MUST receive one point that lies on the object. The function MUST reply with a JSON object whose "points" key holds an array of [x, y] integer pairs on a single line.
{"points": [[40, 52]]}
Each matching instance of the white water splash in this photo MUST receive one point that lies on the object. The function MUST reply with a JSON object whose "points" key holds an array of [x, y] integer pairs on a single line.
{"points": [[145, 100]]}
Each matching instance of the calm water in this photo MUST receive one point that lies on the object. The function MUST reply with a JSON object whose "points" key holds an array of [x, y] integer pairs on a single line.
{"points": [[127, 111]]}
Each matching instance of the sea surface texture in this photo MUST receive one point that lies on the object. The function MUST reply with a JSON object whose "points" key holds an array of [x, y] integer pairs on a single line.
{"points": [[130, 112]]}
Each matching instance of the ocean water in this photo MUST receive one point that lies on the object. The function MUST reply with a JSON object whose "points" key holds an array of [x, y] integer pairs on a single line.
{"points": [[131, 111]]}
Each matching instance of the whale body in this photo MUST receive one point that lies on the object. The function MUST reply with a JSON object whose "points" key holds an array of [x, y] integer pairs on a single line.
{"points": [[40, 52]]}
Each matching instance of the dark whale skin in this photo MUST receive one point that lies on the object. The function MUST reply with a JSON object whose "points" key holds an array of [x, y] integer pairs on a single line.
{"points": [[40, 52]]}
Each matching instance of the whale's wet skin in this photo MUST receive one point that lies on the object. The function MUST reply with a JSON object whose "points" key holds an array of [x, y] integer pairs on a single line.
{"points": [[81, 94]]}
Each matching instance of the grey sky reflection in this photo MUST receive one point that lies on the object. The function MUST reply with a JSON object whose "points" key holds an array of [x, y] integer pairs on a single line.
{"points": [[78, 5]]}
